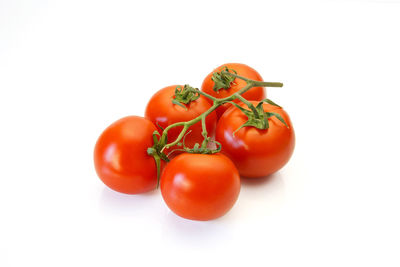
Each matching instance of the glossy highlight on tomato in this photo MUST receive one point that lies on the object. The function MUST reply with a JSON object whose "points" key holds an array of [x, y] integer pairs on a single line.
{"points": [[161, 111], [255, 152], [200, 186], [255, 93], [120, 156]]}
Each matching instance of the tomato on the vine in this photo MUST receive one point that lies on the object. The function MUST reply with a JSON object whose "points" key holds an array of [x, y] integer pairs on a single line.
{"points": [[121, 159], [200, 186], [255, 93], [256, 152], [163, 112]]}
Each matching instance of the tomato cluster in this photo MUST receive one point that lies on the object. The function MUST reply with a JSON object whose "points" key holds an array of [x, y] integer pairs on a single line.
{"points": [[198, 183]]}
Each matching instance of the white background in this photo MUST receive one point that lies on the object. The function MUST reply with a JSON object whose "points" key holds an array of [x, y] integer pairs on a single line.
{"points": [[70, 68]]}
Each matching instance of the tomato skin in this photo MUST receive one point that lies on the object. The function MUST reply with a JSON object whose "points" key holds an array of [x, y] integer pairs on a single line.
{"points": [[255, 152], [255, 93], [200, 187], [161, 110], [120, 156]]}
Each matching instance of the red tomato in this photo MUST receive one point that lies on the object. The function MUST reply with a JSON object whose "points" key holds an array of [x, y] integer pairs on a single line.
{"points": [[256, 152], [160, 110], [121, 159], [199, 186], [255, 93]]}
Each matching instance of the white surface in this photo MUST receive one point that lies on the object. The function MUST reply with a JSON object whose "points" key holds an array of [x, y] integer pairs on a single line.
{"points": [[70, 68]]}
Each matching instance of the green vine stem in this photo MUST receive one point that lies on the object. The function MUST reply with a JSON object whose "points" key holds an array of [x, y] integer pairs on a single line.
{"points": [[216, 103], [204, 133], [160, 142], [256, 83]]}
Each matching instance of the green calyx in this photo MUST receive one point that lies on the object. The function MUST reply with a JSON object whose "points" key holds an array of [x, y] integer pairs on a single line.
{"points": [[223, 80], [184, 95], [257, 117]]}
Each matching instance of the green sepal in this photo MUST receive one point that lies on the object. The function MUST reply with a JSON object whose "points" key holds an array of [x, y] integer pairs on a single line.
{"points": [[218, 149], [278, 116], [159, 126], [246, 124], [238, 106], [155, 135], [176, 102], [268, 101]]}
